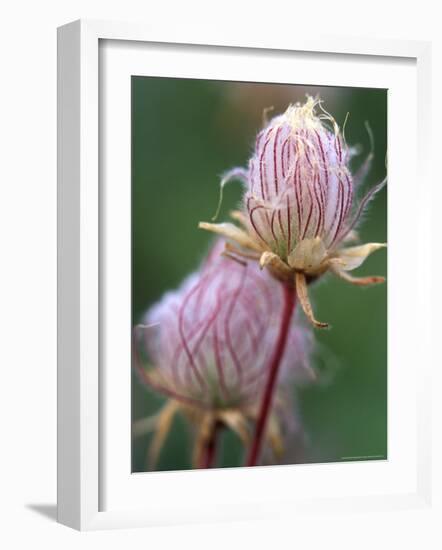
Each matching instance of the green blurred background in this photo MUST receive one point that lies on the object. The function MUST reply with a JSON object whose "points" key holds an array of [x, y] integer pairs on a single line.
{"points": [[185, 133]]}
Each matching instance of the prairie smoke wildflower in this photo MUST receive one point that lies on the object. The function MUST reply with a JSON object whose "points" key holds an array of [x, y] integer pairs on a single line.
{"points": [[299, 209], [207, 346]]}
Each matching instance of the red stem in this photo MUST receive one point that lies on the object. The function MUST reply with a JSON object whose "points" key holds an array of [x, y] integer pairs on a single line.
{"points": [[209, 454], [266, 404]]}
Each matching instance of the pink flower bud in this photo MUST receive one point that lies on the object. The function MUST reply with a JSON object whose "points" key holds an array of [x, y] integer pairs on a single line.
{"points": [[210, 341], [299, 184], [298, 207]]}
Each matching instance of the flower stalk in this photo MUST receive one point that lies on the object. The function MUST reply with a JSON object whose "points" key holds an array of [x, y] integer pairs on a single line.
{"points": [[266, 403], [208, 456]]}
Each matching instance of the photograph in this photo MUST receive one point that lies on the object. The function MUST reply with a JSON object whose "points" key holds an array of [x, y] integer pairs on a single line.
{"points": [[259, 274]]}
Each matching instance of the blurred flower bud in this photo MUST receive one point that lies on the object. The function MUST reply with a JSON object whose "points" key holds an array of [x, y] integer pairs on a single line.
{"points": [[208, 345], [209, 342]]}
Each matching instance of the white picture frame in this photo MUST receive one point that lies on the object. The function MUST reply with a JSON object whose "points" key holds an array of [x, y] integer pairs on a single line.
{"points": [[81, 441]]}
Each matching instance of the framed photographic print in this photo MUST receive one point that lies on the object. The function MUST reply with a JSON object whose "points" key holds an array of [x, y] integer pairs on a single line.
{"points": [[230, 338]]}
